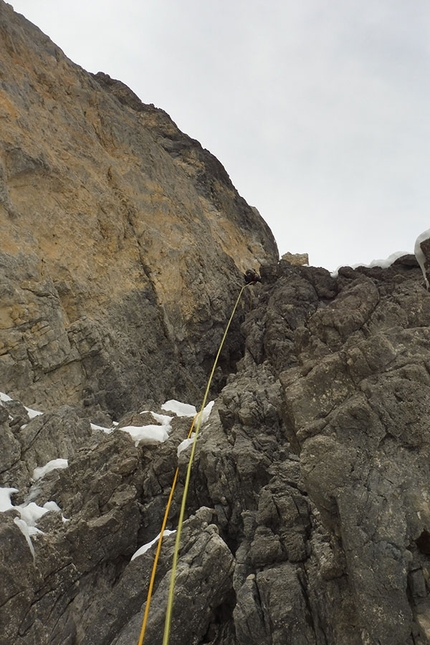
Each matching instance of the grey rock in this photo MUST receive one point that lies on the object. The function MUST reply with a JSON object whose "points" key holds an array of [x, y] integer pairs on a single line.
{"points": [[315, 461], [10, 448], [52, 435]]}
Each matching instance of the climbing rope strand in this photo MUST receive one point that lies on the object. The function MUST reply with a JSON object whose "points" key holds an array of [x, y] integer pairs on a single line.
{"points": [[168, 619], [157, 553]]}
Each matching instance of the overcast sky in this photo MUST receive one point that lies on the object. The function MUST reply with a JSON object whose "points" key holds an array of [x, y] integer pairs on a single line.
{"points": [[318, 109]]}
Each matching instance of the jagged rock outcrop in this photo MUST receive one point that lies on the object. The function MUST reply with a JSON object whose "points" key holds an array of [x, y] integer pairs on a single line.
{"points": [[308, 516], [122, 241]]}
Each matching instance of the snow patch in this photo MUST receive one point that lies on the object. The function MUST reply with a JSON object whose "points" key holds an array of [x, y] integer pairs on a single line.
{"points": [[148, 434], [207, 412], [383, 264], [180, 409], [5, 503], [186, 443], [33, 413], [40, 472], [30, 514], [25, 530], [143, 549], [421, 258], [105, 430], [52, 506], [164, 419]]}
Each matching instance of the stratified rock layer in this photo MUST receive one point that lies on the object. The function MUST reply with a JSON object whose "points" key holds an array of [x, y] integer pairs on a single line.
{"points": [[122, 240]]}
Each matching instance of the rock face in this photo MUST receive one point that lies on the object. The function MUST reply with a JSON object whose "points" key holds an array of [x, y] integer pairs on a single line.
{"points": [[308, 518], [122, 241], [308, 515]]}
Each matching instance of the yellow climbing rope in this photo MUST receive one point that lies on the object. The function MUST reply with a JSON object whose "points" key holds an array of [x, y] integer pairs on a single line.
{"points": [[197, 421], [157, 553]]}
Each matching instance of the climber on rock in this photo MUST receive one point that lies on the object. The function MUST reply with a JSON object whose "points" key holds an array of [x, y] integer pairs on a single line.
{"points": [[251, 276]]}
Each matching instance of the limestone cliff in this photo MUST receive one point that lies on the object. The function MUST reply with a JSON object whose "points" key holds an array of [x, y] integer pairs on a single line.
{"points": [[122, 241], [308, 517]]}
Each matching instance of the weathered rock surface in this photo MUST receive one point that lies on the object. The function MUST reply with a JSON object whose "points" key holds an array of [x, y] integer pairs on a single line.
{"points": [[308, 511], [122, 241]]}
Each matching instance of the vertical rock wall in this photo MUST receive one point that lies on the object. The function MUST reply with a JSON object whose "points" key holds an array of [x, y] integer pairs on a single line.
{"points": [[122, 241]]}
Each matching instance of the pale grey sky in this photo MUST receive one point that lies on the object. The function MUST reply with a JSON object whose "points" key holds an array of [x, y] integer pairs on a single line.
{"points": [[319, 110]]}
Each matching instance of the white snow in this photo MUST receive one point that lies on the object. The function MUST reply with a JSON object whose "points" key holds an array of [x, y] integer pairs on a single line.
{"points": [[186, 443], [30, 514], [40, 472], [143, 549], [164, 419], [180, 409], [186, 410], [52, 506], [148, 434], [25, 530], [207, 412], [5, 503], [384, 264], [33, 413], [106, 430], [421, 259], [205, 416]]}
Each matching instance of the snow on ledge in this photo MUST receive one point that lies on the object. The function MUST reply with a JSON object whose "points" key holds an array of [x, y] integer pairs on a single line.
{"points": [[180, 409], [383, 264], [143, 549], [94, 426], [33, 413], [41, 471], [148, 434], [421, 259], [184, 445], [5, 503], [30, 514]]}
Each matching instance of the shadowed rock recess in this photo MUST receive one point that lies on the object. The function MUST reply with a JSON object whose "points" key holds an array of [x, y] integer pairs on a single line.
{"points": [[122, 246]]}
